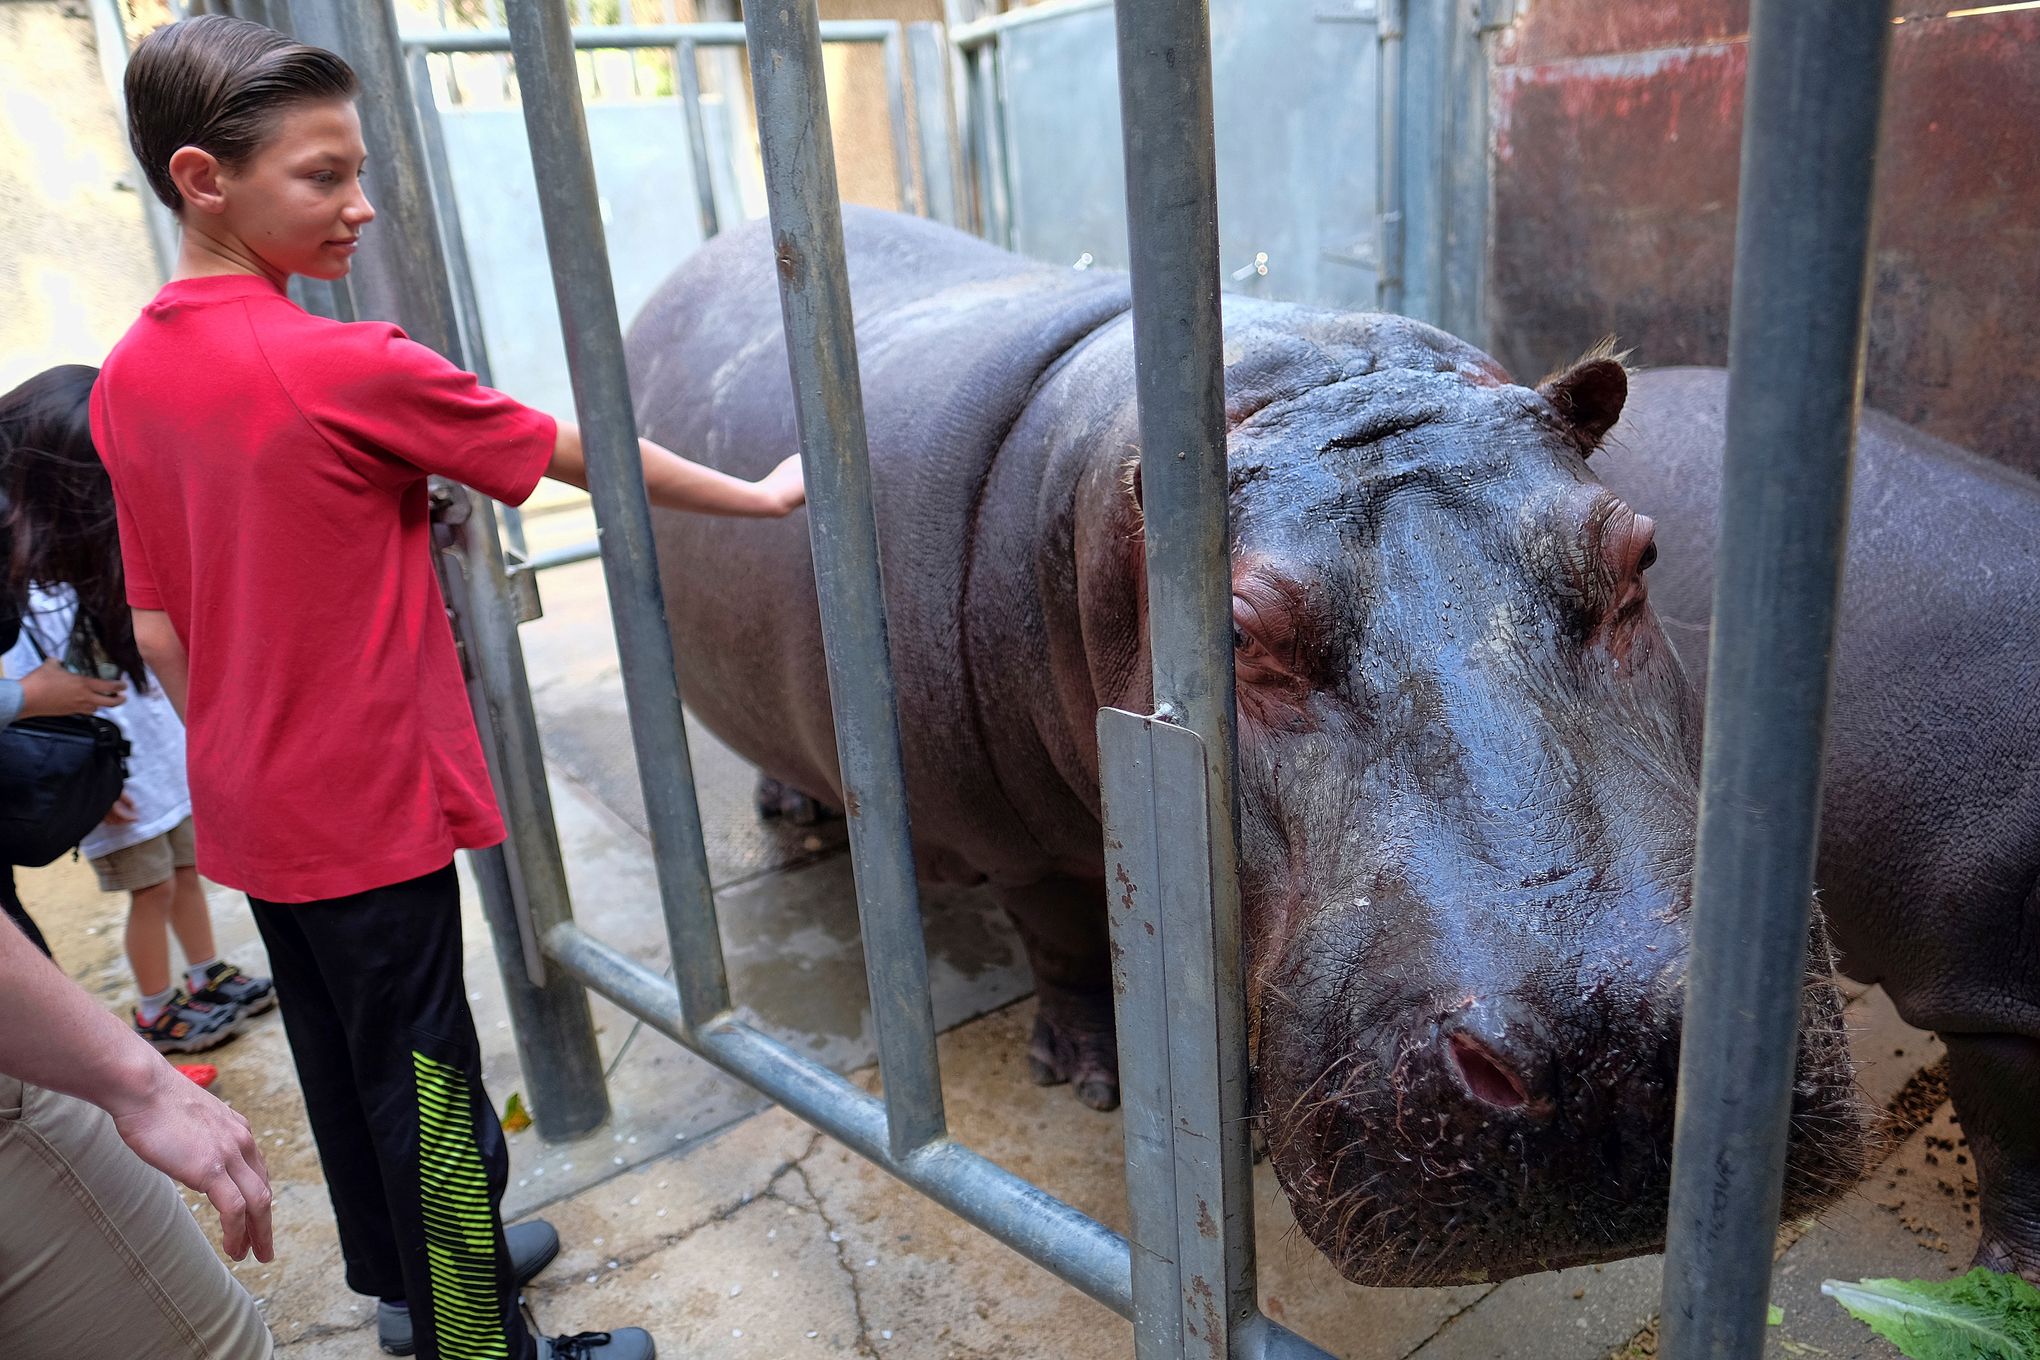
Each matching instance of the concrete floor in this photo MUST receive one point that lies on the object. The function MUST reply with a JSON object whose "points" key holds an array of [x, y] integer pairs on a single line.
{"points": [[733, 1230]]}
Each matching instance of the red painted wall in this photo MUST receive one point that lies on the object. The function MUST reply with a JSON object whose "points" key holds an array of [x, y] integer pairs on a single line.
{"points": [[1617, 130]]}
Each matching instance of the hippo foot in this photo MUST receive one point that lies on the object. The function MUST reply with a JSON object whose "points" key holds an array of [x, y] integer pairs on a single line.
{"points": [[777, 802], [1071, 1046], [1995, 1253]]}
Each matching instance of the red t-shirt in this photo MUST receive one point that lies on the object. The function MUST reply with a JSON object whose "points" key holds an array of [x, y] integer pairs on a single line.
{"points": [[269, 468]]}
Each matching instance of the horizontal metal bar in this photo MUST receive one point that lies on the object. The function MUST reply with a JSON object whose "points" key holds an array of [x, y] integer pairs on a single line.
{"points": [[982, 31], [1055, 1236], [557, 557], [646, 35]]}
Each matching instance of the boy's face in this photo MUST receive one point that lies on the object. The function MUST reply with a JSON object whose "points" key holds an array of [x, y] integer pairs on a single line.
{"points": [[298, 203]]}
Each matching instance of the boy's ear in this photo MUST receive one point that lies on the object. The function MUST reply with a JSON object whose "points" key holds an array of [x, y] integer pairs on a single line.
{"points": [[196, 173]]}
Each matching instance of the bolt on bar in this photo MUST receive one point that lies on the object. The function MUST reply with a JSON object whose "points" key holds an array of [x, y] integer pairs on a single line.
{"points": [[1179, 373], [814, 290], [687, 66], [1816, 73], [404, 274], [568, 206]]}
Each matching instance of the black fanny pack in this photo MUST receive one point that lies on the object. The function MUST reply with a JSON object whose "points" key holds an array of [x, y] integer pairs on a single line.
{"points": [[59, 777]]}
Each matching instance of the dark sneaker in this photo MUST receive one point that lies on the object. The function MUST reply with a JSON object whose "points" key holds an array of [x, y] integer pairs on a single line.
{"points": [[188, 1026], [626, 1343], [226, 985], [533, 1245]]}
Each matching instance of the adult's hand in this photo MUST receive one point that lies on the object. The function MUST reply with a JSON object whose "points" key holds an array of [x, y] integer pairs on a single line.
{"points": [[190, 1136], [50, 691]]}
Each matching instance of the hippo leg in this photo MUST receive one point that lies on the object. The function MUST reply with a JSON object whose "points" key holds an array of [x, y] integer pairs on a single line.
{"points": [[777, 802], [1993, 1078], [1062, 923]]}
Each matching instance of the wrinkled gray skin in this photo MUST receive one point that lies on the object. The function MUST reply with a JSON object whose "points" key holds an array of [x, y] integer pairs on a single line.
{"points": [[1930, 829], [1467, 755]]}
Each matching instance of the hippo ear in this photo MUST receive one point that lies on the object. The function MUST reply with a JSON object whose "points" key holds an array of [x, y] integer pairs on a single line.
{"points": [[1129, 480], [1588, 396]]}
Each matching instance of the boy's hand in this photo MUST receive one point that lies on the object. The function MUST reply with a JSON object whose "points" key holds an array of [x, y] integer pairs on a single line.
{"points": [[122, 813], [195, 1139], [50, 691], [782, 488]]}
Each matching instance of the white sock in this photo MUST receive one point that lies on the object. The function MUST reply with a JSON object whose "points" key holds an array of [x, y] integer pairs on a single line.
{"points": [[194, 976], [150, 1007]]}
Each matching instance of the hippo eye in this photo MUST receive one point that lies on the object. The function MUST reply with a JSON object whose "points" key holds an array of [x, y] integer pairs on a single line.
{"points": [[1649, 558]]}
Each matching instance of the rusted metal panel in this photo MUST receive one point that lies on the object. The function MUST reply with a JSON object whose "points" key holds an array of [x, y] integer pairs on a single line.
{"points": [[1556, 30], [1614, 211]]}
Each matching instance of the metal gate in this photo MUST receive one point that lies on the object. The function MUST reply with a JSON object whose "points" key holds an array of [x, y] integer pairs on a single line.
{"points": [[1350, 139], [1187, 1277]]}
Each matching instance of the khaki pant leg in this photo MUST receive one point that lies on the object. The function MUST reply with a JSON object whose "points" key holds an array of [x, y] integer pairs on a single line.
{"points": [[99, 1256]]}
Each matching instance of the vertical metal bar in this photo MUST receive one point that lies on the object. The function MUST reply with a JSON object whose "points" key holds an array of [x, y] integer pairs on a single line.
{"points": [[934, 113], [1816, 74], [404, 277], [814, 289], [687, 66], [110, 35], [1172, 218], [460, 269], [896, 114], [1388, 254], [558, 129], [989, 133]]}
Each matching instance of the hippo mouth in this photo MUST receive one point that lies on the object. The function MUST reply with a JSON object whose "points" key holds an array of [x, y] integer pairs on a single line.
{"points": [[1421, 1157]]}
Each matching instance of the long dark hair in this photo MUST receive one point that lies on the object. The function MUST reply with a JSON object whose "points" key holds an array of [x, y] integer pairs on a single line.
{"points": [[57, 504]]}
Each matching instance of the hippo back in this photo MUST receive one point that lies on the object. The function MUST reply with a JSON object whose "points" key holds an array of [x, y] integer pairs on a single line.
{"points": [[953, 336], [1933, 778]]}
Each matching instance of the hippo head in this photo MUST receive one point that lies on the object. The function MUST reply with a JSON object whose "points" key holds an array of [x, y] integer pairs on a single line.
{"points": [[1468, 765]]}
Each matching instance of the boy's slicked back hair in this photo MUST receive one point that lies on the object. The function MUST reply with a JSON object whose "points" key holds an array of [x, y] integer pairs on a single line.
{"points": [[218, 83]]}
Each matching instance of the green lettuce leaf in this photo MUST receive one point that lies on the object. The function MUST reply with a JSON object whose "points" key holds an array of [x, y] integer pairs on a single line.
{"points": [[1979, 1316]]}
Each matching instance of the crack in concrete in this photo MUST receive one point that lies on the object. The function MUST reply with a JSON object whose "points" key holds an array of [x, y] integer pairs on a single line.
{"points": [[865, 1345], [1454, 1317]]}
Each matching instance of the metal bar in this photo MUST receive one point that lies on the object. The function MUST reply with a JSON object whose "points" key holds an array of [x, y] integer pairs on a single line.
{"points": [[110, 36], [896, 114], [1040, 1227], [814, 290], [568, 207], [644, 35], [1133, 817], [402, 275], [460, 270], [550, 1022], [1172, 217], [935, 116], [988, 127], [687, 66], [1388, 250], [558, 557], [978, 32], [1816, 72]]}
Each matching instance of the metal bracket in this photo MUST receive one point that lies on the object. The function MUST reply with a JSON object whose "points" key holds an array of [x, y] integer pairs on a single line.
{"points": [[1185, 1237]]}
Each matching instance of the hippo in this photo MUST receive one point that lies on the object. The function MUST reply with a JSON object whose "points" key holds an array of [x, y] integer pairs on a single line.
{"points": [[1468, 753], [1929, 862]]}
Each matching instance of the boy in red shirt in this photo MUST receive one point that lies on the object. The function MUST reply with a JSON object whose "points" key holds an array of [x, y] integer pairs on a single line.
{"points": [[270, 471]]}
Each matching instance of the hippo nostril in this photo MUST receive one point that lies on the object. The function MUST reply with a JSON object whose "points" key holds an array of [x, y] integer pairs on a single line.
{"points": [[1486, 1078]]}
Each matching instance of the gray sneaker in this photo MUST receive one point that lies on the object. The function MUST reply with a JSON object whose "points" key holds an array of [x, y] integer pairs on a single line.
{"points": [[626, 1343], [532, 1245]]}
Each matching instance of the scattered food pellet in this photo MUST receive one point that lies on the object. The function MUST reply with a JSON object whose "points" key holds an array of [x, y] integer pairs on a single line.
{"points": [[662, 1213], [612, 1265], [1579, 1293], [736, 1331], [662, 1185], [735, 1290], [813, 1335], [886, 1336], [523, 1181], [633, 1200], [566, 1166], [872, 1262], [616, 1138], [771, 1233], [835, 1237], [474, 996], [631, 1139], [617, 1160], [775, 1274], [593, 1278], [598, 1241]]}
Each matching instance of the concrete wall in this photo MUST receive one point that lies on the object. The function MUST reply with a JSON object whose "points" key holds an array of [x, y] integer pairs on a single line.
{"points": [[75, 260], [1617, 135]]}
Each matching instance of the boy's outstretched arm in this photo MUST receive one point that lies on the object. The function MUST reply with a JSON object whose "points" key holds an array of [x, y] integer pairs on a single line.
{"points": [[156, 638], [677, 484]]}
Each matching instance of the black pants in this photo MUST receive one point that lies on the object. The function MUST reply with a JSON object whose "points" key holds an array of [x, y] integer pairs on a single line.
{"points": [[376, 1011]]}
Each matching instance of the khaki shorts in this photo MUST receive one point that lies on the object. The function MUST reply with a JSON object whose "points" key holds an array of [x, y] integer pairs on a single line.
{"points": [[151, 862], [99, 1256]]}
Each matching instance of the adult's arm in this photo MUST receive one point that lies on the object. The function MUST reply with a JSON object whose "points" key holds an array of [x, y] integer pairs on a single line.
{"points": [[164, 652], [678, 484], [64, 1040]]}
